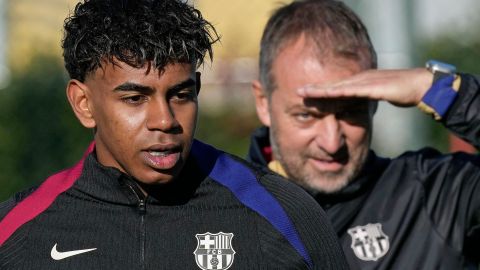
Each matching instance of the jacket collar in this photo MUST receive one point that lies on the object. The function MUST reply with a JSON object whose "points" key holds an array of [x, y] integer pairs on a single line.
{"points": [[108, 184]]}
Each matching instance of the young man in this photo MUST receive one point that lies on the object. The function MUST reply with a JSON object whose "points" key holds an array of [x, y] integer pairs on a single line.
{"points": [[147, 195], [417, 211]]}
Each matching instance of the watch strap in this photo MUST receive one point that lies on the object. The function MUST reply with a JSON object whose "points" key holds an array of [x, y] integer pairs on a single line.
{"points": [[440, 96]]}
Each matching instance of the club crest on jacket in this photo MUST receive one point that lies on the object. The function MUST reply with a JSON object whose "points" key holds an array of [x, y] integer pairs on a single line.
{"points": [[369, 242], [214, 251]]}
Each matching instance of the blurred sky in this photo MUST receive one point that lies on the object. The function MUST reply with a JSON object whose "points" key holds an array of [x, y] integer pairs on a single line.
{"points": [[440, 16]]}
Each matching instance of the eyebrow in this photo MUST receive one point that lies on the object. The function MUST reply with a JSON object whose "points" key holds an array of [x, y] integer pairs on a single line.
{"points": [[182, 85], [131, 86]]}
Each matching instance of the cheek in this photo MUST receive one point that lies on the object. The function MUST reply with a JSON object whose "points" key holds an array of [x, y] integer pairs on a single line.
{"points": [[122, 125], [187, 117], [357, 136], [131, 121], [292, 137]]}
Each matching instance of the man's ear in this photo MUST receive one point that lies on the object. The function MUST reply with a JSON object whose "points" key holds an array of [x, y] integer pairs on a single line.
{"points": [[198, 81], [79, 100], [261, 103]]}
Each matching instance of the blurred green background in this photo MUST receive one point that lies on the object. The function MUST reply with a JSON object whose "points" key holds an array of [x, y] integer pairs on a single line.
{"points": [[39, 134]]}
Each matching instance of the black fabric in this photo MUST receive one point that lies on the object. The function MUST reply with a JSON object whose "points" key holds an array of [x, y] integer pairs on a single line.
{"points": [[462, 118], [427, 203], [6, 206], [305, 220], [104, 210]]}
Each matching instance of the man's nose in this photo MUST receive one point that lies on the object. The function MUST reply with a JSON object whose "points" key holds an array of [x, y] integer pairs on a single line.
{"points": [[330, 136], [160, 116]]}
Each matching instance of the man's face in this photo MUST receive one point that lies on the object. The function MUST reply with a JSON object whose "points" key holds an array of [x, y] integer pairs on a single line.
{"points": [[321, 143], [144, 118]]}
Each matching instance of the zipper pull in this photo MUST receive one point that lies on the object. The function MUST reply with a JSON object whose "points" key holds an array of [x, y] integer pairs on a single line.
{"points": [[142, 207], [137, 192]]}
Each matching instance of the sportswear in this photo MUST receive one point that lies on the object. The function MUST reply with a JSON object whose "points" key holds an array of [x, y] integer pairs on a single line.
{"points": [[420, 210], [219, 213]]}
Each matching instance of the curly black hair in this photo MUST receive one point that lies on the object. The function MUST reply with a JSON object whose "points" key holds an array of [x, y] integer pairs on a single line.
{"points": [[135, 32]]}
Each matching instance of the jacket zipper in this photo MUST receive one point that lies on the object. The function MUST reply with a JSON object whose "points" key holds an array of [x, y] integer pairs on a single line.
{"points": [[142, 209]]}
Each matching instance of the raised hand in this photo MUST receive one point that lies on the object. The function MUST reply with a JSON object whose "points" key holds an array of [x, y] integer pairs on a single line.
{"points": [[404, 87]]}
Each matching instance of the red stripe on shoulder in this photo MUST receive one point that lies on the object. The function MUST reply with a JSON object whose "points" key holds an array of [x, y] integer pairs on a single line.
{"points": [[41, 198]]}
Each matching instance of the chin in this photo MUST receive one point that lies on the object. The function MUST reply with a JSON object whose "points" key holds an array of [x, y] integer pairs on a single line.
{"points": [[329, 186], [158, 181], [154, 178], [326, 183]]}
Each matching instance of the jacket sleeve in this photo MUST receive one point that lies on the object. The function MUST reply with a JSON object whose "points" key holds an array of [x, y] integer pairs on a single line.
{"points": [[6, 206], [463, 117], [452, 182], [9, 204], [452, 197]]}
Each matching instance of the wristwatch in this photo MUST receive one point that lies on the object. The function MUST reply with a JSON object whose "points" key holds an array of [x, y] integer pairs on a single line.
{"points": [[440, 70]]}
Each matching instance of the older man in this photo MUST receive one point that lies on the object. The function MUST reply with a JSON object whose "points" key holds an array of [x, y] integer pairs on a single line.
{"points": [[417, 211]]}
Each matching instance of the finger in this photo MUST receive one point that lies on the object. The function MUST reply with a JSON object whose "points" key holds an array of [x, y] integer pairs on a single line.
{"points": [[336, 91]]}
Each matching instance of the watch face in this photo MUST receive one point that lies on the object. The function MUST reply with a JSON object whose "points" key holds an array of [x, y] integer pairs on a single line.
{"points": [[437, 66]]}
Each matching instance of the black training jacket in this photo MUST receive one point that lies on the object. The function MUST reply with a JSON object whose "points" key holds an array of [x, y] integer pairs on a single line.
{"points": [[420, 210], [219, 214]]}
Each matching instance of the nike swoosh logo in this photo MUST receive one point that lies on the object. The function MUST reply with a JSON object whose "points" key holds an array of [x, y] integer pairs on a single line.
{"points": [[56, 255]]}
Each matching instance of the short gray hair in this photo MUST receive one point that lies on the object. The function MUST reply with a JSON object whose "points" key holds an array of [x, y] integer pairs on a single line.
{"points": [[329, 26]]}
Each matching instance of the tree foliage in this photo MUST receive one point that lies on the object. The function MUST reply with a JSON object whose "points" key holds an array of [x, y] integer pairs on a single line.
{"points": [[39, 134]]}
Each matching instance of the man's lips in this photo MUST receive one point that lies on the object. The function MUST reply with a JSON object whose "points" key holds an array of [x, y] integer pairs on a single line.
{"points": [[328, 164], [162, 156]]}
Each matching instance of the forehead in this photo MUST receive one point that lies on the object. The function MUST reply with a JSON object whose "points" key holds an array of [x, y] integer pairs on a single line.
{"points": [[119, 72], [298, 64]]}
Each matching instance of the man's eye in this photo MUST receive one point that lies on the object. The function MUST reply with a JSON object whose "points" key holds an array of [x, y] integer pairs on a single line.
{"points": [[352, 113], [137, 99], [303, 117], [345, 114], [186, 95], [353, 116]]}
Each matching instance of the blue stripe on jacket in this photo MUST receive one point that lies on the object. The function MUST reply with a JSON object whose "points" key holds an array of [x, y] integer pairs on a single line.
{"points": [[241, 181]]}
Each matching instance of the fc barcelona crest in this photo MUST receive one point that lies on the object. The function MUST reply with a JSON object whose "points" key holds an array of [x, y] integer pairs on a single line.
{"points": [[369, 243], [214, 250]]}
